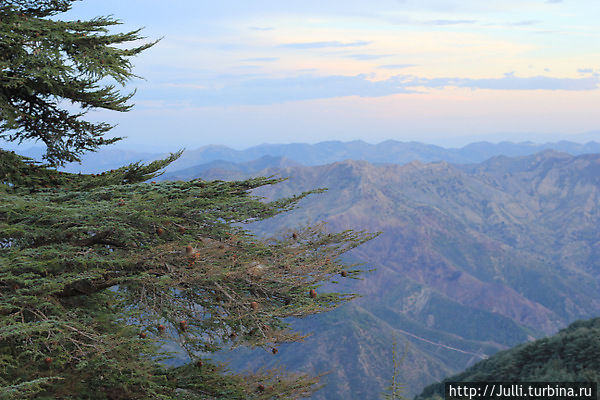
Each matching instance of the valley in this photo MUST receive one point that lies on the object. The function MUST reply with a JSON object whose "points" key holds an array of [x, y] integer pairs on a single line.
{"points": [[473, 258]]}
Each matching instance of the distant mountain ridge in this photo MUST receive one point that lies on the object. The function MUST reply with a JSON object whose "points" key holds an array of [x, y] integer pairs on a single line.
{"points": [[231, 169], [388, 152], [391, 151], [473, 259]]}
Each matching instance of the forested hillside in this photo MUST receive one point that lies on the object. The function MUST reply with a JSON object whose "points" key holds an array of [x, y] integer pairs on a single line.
{"points": [[572, 355]]}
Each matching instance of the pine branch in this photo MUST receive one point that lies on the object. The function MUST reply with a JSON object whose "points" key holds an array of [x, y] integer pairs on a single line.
{"points": [[95, 270], [45, 61]]}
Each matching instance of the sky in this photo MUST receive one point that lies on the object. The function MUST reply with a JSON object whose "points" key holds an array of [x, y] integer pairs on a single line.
{"points": [[242, 73]]}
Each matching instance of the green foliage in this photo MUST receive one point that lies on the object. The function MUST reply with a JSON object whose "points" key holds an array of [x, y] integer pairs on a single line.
{"points": [[99, 273], [45, 62], [395, 389], [96, 272], [572, 355], [18, 173]]}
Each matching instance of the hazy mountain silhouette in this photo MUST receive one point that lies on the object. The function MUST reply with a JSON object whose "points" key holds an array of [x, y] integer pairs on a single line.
{"points": [[390, 151], [472, 259]]}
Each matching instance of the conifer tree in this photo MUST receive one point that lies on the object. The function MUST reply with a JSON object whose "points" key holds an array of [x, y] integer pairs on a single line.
{"points": [[45, 62], [395, 389], [99, 274]]}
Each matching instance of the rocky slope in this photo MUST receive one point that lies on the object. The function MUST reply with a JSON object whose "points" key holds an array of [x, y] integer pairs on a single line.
{"points": [[472, 259]]}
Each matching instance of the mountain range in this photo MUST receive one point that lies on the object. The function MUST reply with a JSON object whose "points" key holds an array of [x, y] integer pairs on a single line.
{"points": [[483, 248], [473, 259], [390, 151]]}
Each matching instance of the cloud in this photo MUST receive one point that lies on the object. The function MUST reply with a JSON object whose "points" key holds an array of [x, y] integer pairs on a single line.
{"points": [[364, 57], [405, 19], [231, 46], [509, 82], [553, 1], [183, 85], [319, 45], [261, 59], [265, 90], [262, 91], [450, 22], [585, 70], [527, 22], [260, 28], [396, 66]]}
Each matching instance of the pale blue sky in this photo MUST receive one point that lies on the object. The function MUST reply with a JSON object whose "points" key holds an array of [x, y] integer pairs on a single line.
{"points": [[241, 73]]}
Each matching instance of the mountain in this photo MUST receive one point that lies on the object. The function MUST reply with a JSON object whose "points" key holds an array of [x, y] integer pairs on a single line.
{"points": [[215, 169], [572, 355], [473, 259], [390, 151]]}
